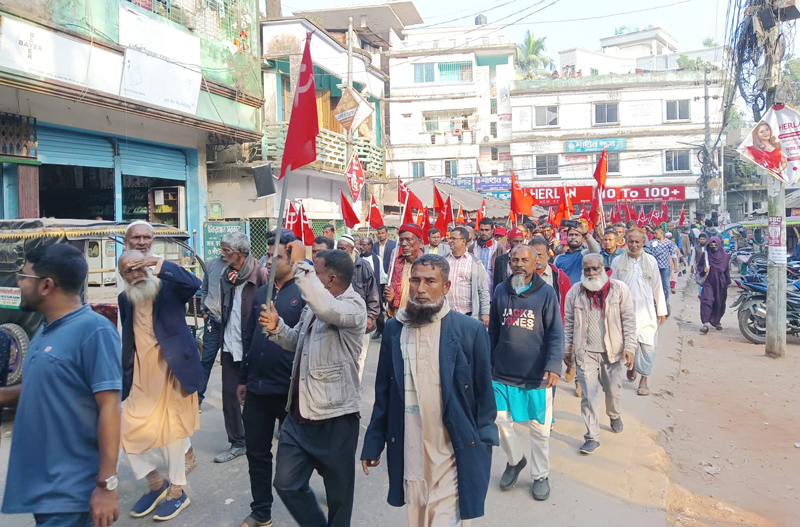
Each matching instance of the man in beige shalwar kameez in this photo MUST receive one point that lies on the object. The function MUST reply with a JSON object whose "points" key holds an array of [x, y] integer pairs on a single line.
{"points": [[160, 365]]}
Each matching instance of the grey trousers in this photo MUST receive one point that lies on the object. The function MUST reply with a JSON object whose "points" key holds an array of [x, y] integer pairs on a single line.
{"points": [[595, 373]]}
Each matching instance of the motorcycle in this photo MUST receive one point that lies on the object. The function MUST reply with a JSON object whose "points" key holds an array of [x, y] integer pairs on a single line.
{"points": [[752, 308]]}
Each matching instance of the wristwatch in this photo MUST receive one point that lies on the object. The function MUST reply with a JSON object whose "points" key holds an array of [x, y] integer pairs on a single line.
{"points": [[108, 484]]}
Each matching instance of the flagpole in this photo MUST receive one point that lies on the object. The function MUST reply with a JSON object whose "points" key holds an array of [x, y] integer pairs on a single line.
{"points": [[275, 247]]}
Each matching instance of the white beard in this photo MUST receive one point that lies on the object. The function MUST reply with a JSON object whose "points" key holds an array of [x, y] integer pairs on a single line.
{"points": [[518, 281], [144, 291], [595, 283]]}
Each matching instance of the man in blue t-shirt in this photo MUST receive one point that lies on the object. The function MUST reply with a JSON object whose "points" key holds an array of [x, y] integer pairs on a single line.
{"points": [[63, 462], [571, 262]]}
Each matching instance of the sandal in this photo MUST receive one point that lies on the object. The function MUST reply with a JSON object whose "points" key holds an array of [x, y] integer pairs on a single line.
{"points": [[570, 374], [643, 391], [252, 522], [631, 375], [704, 330], [718, 327]]}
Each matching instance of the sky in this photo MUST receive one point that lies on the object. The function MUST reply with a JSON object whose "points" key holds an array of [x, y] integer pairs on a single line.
{"points": [[689, 21]]}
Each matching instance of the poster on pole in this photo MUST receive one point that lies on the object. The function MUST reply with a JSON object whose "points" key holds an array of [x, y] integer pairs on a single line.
{"points": [[345, 111], [774, 144], [777, 245]]}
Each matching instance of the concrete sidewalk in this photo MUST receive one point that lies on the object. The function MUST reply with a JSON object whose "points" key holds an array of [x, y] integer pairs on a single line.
{"points": [[624, 483]]}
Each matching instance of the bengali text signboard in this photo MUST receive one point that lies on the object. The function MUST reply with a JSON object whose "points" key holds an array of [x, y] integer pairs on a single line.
{"points": [[213, 231]]}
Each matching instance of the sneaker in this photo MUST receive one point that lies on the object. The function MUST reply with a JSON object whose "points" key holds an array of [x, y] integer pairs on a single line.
{"points": [[616, 425], [511, 474], [230, 454], [590, 446], [540, 489], [171, 507], [149, 501]]}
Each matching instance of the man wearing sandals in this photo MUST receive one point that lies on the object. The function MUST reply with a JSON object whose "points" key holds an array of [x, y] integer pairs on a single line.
{"points": [[640, 272], [161, 374]]}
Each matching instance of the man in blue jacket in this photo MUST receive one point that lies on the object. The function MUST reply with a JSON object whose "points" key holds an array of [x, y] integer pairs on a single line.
{"points": [[434, 406], [527, 339]]}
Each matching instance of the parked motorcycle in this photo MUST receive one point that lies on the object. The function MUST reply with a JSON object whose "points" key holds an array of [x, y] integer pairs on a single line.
{"points": [[752, 308]]}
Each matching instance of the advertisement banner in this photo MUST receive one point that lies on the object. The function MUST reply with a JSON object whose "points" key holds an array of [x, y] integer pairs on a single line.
{"points": [[597, 145], [10, 297], [465, 182], [213, 231], [777, 245], [582, 195], [505, 196], [143, 80], [774, 144], [493, 183]]}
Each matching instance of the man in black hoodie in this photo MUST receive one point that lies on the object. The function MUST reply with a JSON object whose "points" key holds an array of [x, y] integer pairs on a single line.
{"points": [[527, 339], [264, 377]]}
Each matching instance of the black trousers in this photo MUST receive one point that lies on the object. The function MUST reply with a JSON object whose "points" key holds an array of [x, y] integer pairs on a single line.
{"points": [[259, 416], [231, 409], [330, 449]]}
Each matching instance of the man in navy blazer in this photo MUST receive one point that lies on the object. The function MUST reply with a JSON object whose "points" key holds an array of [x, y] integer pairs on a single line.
{"points": [[384, 247], [434, 404]]}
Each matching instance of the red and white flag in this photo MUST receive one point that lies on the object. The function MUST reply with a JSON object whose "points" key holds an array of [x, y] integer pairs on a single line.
{"points": [[601, 170], [481, 213], [438, 201], [375, 219], [460, 216], [301, 139], [405, 196], [292, 221], [307, 232], [348, 214], [445, 217], [355, 177]]}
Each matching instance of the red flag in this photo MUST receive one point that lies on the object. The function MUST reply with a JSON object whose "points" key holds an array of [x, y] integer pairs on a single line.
{"points": [[596, 216], [551, 215], [375, 219], [467, 219], [355, 177], [481, 213], [445, 217], [308, 233], [292, 221], [408, 216], [616, 216], [301, 139], [512, 219], [585, 213], [601, 169], [683, 217], [632, 212], [419, 218], [438, 201], [664, 212], [641, 218], [520, 203], [348, 214], [403, 194], [460, 217], [565, 208], [426, 225]]}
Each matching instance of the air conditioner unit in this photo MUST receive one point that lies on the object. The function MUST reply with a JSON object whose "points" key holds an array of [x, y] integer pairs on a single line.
{"points": [[486, 138]]}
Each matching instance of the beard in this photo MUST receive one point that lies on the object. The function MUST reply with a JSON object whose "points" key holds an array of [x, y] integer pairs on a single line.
{"points": [[143, 290], [594, 283], [482, 241], [518, 281], [421, 314]]}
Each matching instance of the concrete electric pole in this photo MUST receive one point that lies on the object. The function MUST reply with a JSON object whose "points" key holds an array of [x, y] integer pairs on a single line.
{"points": [[349, 133]]}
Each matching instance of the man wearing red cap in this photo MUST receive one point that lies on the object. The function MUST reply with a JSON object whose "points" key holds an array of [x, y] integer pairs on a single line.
{"points": [[501, 237], [501, 268], [409, 248]]}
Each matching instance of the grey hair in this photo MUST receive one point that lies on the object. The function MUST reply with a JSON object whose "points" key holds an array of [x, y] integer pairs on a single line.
{"points": [[238, 241], [435, 262], [596, 256], [138, 222], [128, 252]]}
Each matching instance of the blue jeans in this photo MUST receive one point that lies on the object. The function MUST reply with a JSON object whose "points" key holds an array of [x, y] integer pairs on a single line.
{"points": [[69, 519], [665, 272], [211, 342]]}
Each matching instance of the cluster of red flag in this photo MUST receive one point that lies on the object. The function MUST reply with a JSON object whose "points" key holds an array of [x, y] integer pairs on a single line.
{"points": [[296, 221]]}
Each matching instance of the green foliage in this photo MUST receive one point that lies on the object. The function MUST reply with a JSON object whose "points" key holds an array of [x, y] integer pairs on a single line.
{"points": [[621, 30], [791, 74], [698, 64], [531, 59], [708, 42]]}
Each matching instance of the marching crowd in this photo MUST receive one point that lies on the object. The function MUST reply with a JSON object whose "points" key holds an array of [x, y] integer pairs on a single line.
{"points": [[476, 328]]}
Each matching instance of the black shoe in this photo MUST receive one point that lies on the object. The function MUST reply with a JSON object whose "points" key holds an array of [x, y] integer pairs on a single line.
{"points": [[376, 336], [510, 474], [590, 446], [540, 489], [616, 425]]}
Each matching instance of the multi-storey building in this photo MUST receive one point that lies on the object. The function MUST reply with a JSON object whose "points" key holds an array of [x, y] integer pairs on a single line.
{"points": [[449, 104], [651, 121], [109, 109]]}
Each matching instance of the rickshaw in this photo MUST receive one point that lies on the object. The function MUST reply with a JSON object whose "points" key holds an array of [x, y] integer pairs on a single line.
{"points": [[96, 240]]}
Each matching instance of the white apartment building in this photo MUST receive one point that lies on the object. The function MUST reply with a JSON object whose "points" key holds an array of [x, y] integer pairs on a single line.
{"points": [[651, 122], [450, 106]]}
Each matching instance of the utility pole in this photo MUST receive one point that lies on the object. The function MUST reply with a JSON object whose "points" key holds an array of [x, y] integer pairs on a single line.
{"points": [[704, 203], [349, 133], [776, 194]]}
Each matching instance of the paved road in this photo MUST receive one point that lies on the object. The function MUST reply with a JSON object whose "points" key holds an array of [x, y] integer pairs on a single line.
{"points": [[623, 484]]}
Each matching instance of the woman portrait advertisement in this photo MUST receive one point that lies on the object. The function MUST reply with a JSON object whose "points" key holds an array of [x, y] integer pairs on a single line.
{"points": [[766, 149]]}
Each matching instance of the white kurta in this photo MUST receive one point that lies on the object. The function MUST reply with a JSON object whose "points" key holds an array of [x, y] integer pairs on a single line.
{"points": [[648, 295]]}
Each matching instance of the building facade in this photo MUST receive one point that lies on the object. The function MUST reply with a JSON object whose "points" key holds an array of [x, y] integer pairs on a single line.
{"points": [[450, 104], [114, 106]]}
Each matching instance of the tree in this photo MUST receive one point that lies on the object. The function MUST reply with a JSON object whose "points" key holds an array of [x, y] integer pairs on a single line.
{"points": [[791, 74], [708, 42], [531, 59], [698, 64]]}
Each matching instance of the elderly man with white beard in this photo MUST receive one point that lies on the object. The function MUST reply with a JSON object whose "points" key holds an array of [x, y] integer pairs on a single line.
{"points": [[161, 373], [600, 329]]}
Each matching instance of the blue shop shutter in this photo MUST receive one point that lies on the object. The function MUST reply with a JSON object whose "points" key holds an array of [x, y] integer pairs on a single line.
{"points": [[139, 159], [65, 147]]}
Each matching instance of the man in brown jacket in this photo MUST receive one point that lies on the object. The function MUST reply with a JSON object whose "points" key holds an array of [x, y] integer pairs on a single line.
{"points": [[600, 329]]}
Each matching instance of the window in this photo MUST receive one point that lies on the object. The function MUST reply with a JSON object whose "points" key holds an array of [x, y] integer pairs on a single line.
{"points": [[495, 172], [606, 113], [431, 121], [547, 116], [678, 110], [423, 73], [594, 72], [613, 161], [418, 169], [546, 165], [494, 154], [678, 160], [493, 106], [450, 72], [493, 129], [450, 167]]}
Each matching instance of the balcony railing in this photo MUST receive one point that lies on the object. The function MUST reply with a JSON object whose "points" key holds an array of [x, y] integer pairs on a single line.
{"points": [[331, 150]]}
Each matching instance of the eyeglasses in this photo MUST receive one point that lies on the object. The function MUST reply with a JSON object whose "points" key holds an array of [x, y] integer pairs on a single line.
{"points": [[23, 275]]}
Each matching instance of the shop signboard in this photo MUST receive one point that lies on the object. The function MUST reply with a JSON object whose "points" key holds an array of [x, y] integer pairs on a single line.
{"points": [[505, 196], [597, 145], [464, 182], [493, 183], [213, 231], [583, 194], [10, 297]]}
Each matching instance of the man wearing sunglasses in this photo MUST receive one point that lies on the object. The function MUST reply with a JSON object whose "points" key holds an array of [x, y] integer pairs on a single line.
{"points": [[63, 462]]}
